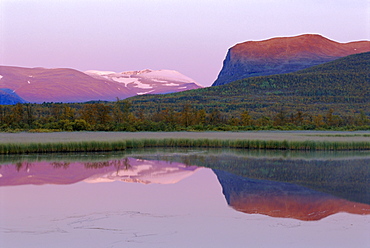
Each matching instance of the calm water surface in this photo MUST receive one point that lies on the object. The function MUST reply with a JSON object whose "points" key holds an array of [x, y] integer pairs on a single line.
{"points": [[185, 198]]}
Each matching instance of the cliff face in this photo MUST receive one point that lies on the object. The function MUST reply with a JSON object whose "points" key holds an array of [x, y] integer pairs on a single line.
{"points": [[283, 55]]}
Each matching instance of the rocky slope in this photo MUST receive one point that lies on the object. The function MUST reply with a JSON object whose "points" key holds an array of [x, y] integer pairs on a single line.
{"points": [[69, 85], [283, 55], [7, 97]]}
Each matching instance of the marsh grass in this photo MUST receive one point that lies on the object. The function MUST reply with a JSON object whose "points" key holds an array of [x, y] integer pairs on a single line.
{"points": [[339, 135], [104, 146]]}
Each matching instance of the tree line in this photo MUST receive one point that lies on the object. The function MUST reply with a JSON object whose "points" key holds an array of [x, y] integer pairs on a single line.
{"points": [[123, 116]]}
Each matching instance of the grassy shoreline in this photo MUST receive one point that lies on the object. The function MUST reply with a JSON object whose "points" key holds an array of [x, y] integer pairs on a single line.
{"points": [[18, 143], [333, 136]]}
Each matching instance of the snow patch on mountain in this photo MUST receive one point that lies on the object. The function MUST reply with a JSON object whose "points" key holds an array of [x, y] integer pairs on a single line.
{"points": [[143, 93], [125, 81], [172, 84], [143, 86], [169, 75], [159, 81], [135, 73], [100, 73], [159, 76]]}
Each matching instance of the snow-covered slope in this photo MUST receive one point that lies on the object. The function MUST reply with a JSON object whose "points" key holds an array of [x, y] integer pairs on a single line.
{"points": [[148, 81]]}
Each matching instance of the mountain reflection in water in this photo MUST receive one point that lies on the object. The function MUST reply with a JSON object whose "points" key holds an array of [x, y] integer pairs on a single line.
{"points": [[126, 170], [252, 196], [278, 199]]}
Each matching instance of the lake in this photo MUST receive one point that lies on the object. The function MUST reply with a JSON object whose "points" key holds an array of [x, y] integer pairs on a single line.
{"points": [[186, 198]]}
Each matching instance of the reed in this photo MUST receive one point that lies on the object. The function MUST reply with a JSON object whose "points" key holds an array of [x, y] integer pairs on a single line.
{"points": [[100, 146]]}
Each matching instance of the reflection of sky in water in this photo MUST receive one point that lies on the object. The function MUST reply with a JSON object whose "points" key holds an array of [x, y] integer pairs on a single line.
{"points": [[192, 212]]}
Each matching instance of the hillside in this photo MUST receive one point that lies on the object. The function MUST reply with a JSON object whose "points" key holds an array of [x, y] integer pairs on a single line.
{"points": [[283, 55], [39, 85], [342, 85], [7, 97]]}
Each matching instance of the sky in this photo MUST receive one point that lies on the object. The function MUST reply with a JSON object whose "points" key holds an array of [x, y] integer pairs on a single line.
{"points": [[190, 36]]}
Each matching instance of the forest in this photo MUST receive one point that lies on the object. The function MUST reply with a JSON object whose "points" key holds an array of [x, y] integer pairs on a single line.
{"points": [[122, 116]]}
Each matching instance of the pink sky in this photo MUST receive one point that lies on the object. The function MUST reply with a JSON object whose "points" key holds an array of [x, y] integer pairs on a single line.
{"points": [[189, 36]]}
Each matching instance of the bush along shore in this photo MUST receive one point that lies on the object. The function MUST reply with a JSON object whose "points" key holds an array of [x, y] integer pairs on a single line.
{"points": [[123, 115], [103, 146]]}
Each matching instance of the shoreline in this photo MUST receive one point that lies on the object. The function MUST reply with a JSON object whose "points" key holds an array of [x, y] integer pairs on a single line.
{"points": [[56, 137], [24, 143]]}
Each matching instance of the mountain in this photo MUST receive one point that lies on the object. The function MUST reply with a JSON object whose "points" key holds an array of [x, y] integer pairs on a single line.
{"points": [[283, 55], [342, 85], [8, 97], [69, 85], [148, 81], [58, 85], [284, 200]]}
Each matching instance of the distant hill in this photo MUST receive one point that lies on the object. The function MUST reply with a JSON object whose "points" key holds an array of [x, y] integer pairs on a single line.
{"points": [[8, 97], [68, 85], [343, 85], [283, 55]]}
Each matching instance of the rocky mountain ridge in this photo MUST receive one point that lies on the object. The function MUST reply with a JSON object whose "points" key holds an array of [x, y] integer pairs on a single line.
{"points": [[283, 55]]}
